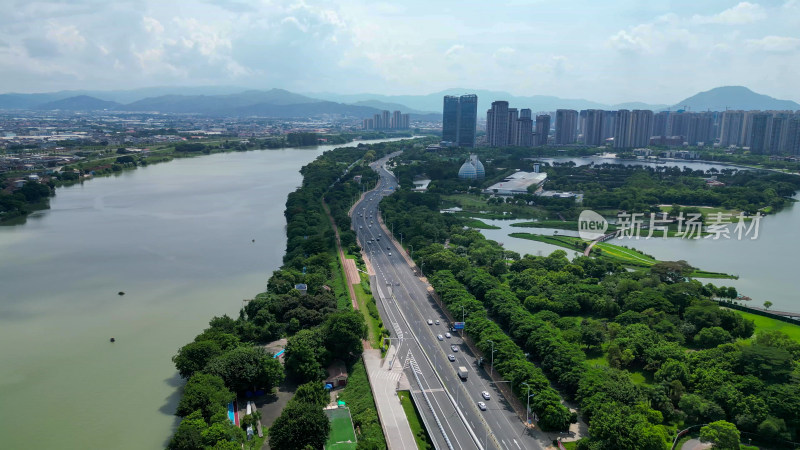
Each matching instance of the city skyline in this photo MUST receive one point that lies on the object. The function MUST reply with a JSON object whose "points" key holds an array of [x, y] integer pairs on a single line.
{"points": [[620, 52]]}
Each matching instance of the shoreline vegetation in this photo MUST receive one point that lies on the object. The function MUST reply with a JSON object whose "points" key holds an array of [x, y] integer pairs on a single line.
{"points": [[16, 206], [307, 302], [628, 257]]}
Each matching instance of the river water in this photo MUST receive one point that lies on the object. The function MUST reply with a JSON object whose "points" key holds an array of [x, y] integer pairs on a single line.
{"points": [[766, 266], [184, 240]]}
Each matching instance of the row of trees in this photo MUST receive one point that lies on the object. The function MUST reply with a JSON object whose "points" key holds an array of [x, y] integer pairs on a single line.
{"points": [[228, 357]]}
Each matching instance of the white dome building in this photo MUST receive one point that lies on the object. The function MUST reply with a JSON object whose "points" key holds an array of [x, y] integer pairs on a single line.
{"points": [[472, 169]]}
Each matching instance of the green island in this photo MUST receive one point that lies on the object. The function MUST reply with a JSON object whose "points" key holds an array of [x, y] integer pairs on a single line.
{"points": [[628, 257], [639, 354], [307, 302]]}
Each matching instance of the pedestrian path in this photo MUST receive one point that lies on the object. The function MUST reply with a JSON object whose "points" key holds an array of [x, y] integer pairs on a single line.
{"points": [[384, 381]]}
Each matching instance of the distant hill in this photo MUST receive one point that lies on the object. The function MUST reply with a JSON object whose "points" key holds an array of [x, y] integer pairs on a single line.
{"points": [[230, 100], [78, 103], [433, 102], [734, 97], [393, 107]]}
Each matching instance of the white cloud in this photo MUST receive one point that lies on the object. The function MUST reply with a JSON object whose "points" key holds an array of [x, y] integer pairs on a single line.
{"points": [[743, 13], [776, 44], [152, 25], [454, 50]]}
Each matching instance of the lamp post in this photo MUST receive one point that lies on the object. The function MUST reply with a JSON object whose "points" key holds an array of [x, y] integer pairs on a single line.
{"points": [[492, 368], [528, 406], [412, 251], [401, 239]]}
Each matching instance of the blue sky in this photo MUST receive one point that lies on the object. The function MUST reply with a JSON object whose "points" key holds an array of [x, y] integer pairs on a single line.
{"points": [[607, 51]]}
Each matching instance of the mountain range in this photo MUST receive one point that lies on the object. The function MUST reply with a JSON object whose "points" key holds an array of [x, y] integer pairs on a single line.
{"points": [[279, 103]]}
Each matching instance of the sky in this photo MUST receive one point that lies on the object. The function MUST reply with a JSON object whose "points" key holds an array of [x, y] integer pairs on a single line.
{"points": [[609, 51]]}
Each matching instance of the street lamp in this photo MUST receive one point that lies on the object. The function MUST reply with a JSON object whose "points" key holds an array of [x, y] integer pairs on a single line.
{"points": [[412, 251], [492, 369], [528, 407], [401, 239]]}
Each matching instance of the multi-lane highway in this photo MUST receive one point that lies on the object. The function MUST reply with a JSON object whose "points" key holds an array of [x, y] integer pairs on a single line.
{"points": [[449, 405]]}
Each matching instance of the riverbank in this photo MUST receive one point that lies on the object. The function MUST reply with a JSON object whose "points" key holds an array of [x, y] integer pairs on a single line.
{"points": [[118, 163]]}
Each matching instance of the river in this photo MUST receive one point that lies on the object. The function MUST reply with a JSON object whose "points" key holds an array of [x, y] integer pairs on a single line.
{"points": [[766, 266], [184, 240]]}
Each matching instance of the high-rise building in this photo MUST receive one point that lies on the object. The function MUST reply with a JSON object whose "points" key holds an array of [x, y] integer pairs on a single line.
{"points": [[566, 126], [450, 119], [622, 129], [678, 124], [776, 133], [467, 120], [377, 120], [593, 127], [608, 124], [385, 119], [459, 119], [525, 129], [660, 123], [641, 127], [747, 128], [513, 117], [405, 121], [793, 136], [542, 130], [582, 121], [759, 132], [497, 124], [731, 130], [396, 120], [700, 129]]}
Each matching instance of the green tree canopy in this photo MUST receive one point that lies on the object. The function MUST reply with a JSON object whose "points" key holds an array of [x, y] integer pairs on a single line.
{"points": [[722, 434], [299, 425]]}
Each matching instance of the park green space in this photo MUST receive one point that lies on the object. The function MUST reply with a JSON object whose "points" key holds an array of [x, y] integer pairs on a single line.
{"points": [[767, 324]]}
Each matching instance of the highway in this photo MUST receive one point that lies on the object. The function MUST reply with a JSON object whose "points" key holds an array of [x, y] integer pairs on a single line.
{"points": [[449, 406]]}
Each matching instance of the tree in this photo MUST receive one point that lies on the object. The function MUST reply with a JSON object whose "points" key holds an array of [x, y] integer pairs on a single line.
{"points": [[204, 393], [724, 435], [247, 368], [304, 354], [343, 334], [313, 393], [712, 337], [194, 356], [189, 435], [767, 304], [299, 425]]}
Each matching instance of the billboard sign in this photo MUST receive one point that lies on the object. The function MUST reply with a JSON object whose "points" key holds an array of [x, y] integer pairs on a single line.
{"points": [[458, 325]]}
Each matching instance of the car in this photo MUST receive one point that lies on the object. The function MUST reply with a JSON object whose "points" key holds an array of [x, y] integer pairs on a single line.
{"points": [[370, 226], [437, 321], [390, 253], [448, 335], [430, 322], [451, 357], [361, 227], [388, 248], [440, 337], [485, 395], [454, 348], [482, 406]]}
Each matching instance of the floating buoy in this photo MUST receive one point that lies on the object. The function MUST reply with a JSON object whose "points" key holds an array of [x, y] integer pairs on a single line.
{"points": [[254, 240], [120, 293], [113, 340]]}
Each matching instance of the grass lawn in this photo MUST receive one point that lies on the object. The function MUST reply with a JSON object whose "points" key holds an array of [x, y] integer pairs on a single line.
{"points": [[475, 223], [767, 324], [373, 324], [342, 435], [414, 420], [339, 284]]}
